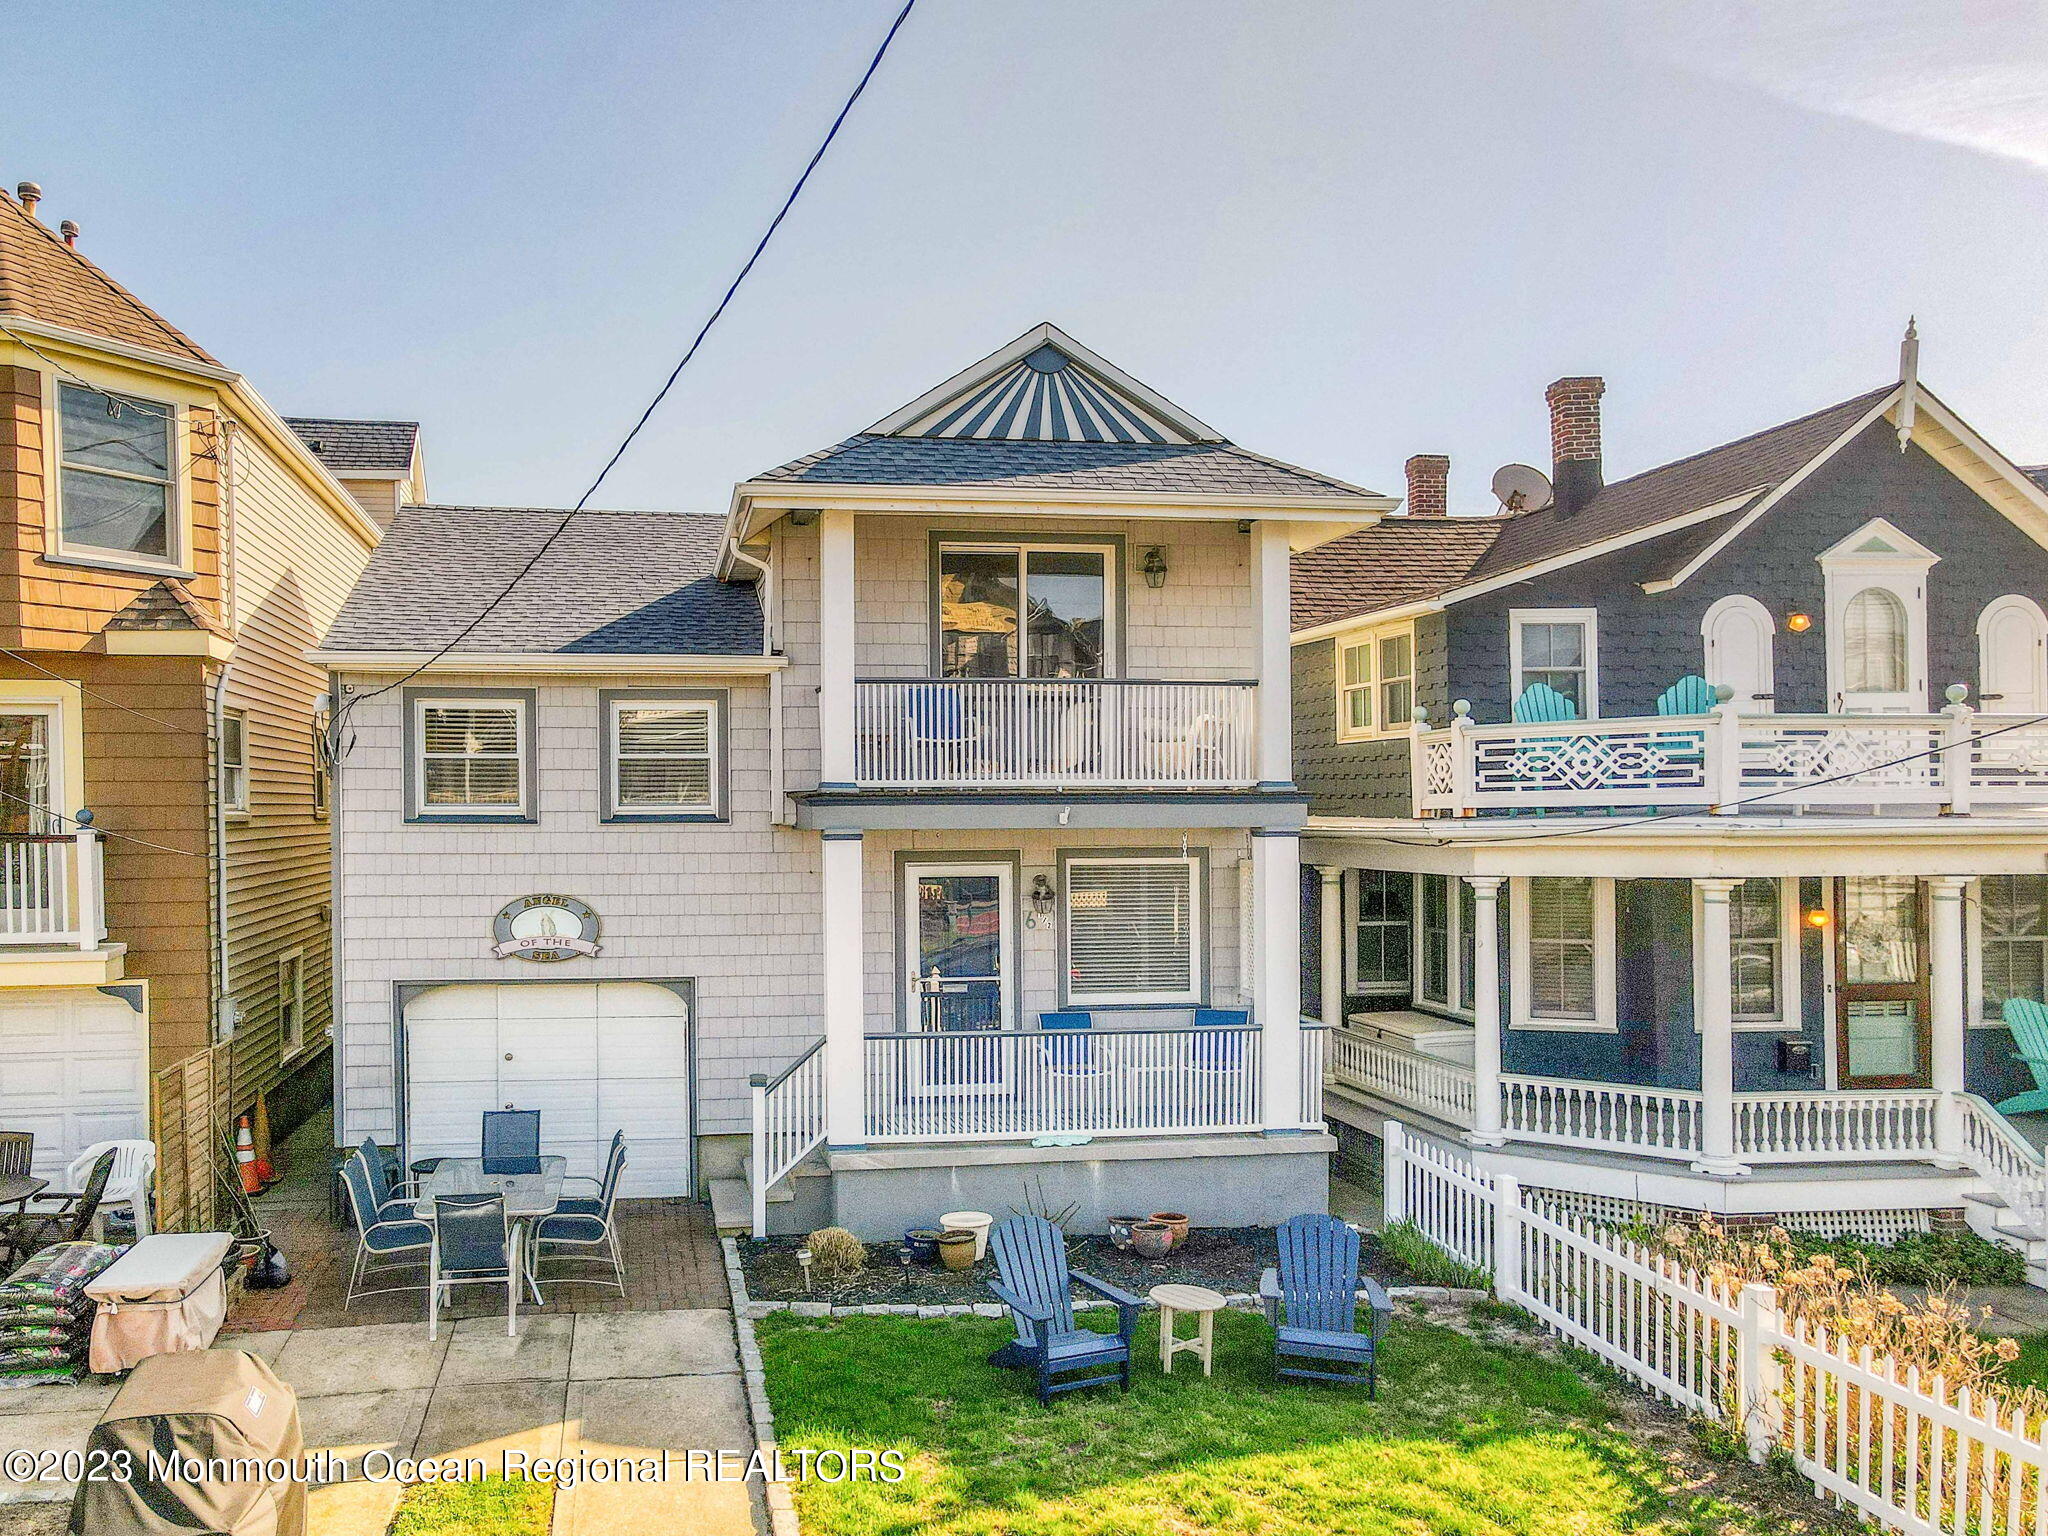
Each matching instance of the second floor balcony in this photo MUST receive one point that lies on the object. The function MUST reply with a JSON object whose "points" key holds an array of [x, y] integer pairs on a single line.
{"points": [[1055, 733], [1948, 763], [50, 892]]}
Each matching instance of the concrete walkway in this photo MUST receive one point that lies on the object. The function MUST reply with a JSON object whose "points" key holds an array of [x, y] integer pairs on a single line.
{"points": [[601, 1385], [2015, 1309]]}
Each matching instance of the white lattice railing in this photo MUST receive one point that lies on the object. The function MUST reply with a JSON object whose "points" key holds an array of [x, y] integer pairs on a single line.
{"points": [[1428, 1083], [1835, 1127], [1011, 732], [50, 889], [1018, 1084], [1944, 761], [1652, 1122], [789, 1122]]}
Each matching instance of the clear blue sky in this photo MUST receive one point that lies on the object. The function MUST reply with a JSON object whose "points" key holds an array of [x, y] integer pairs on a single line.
{"points": [[1342, 233]]}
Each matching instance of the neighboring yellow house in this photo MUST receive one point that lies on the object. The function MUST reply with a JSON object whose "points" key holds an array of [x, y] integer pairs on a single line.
{"points": [[170, 548]]}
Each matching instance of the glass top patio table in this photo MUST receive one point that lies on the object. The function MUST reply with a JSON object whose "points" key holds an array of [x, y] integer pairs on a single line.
{"points": [[526, 1194]]}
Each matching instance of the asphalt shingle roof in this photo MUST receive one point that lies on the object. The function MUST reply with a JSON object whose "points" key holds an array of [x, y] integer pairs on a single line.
{"points": [[42, 278], [2038, 473], [1396, 561], [344, 445], [1212, 469], [613, 583]]}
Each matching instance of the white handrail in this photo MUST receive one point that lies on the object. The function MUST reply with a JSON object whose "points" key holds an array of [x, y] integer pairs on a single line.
{"points": [[915, 733], [1428, 1083], [1840, 1126], [1313, 1035], [50, 889], [1652, 1122], [789, 1122]]}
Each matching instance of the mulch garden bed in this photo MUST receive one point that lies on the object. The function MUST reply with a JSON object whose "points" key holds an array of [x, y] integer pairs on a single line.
{"points": [[1227, 1259]]}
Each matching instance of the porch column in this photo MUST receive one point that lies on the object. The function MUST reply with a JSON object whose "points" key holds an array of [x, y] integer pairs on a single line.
{"points": [[844, 984], [1331, 1008], [1270, 570], [835, 650], [1486, 1128], [1949, 1006], [1714, 998], [1276, 980]]}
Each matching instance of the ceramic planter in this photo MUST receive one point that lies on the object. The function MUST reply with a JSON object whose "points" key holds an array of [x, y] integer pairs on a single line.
{"points": [[1120, 1229], [923, 1243], [1174, 1221], [1152, 1239], [956, 1249]]}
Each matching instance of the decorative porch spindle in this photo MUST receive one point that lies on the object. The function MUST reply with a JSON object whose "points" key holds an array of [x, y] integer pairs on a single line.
{"points": [[1486, 1127], [1715, 998]]}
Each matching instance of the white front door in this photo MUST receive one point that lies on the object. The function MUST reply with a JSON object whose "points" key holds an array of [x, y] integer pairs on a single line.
{"points": [[2012, 658], [1738, 635], [592, 1057], [74, 1069]]}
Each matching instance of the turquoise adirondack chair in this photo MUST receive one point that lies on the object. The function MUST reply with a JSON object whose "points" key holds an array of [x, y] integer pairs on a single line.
{"points": [[1691, 695], [2028, 1021], [1540, 704]]}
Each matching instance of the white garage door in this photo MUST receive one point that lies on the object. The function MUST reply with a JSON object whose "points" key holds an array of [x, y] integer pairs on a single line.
{"points": [[592, 1057], [74, 1069]]}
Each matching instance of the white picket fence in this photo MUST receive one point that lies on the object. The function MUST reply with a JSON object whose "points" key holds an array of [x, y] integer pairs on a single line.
{"points": [[1911, 1454]]}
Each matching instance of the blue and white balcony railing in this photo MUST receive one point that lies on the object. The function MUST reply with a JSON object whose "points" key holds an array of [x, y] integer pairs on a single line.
{"points": [[1078, 733], [1951, 762]]}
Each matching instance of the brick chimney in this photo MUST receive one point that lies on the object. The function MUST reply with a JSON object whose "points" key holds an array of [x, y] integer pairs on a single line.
{"points": [[1428, 485], [1575, 440]]}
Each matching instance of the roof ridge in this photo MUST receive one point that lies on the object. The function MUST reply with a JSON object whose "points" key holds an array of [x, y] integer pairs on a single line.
{"points": [[92, 269], [478, 506], [1736, 442]]}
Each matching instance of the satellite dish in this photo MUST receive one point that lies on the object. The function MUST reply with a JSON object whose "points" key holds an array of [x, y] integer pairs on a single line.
{"points": [[1519, 488]]}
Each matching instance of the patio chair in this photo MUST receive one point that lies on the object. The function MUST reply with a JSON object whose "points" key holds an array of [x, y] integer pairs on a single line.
{"points": [[472, 1245], [1037, 1287], [17, 1158], [394, 1200], [940, 734], [58, 1218], [594, 1232], [593, 1203], [1690, 695], [1312, 1302], [2028, 1021], [128, 1185], [511, 1141], [1541, 704], [379, 1236], [1216, 1062]]}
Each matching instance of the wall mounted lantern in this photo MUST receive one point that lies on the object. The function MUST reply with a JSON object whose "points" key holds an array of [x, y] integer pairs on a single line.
{"points": [[1154, 567]]}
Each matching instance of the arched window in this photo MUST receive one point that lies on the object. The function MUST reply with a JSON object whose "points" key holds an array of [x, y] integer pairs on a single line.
{"points": [[1874, 643]]}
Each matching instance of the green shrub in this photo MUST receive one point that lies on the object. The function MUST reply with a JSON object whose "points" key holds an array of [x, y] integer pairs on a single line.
{"points": [[1922, 1258], [1428, 1264]]}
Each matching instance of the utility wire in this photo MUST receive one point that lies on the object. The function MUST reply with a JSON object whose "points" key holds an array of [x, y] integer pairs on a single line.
{"points": [[94, 826], [94, 693], [668, 384]]}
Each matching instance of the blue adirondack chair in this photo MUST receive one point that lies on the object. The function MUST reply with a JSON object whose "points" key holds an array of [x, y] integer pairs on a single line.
{"points": [[1541, 704], [2028, 1021], [1690, 695], [1312, 1302], [1037, 1287]]}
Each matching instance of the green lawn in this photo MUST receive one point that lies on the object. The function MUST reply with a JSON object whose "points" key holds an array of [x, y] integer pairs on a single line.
{"points": [[492, 1506], [1467, 1438], [2031, 1368]]}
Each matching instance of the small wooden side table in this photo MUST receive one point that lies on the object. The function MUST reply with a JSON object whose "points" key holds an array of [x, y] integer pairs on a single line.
{"points": [[1172, 1300]]}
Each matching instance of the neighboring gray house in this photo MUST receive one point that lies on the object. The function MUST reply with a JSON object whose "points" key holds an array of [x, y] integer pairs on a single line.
{"points": [[923, 824], [1682, 837]]}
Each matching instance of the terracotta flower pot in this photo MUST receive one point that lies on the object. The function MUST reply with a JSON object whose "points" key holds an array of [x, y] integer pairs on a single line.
{"points": [[1177, 1221], [956, 1249], [1120, 1229], [1152, 1239]]}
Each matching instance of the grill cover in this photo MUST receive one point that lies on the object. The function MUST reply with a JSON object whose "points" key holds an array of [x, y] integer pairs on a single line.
{"points": [[205, 1405]]}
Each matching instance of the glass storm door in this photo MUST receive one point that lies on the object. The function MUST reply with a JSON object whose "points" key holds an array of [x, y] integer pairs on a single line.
{"points": [[25, 774], [1881, 983], [958, 921]]}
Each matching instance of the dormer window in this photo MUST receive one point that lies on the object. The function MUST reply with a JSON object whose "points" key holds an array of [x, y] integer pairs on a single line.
{"points": [[118, 481], [1025, 610], [1876, 583]]}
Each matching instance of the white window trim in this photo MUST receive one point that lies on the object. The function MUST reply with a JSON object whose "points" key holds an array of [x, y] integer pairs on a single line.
{"points": [[60, 734], [1711, 621], [1518, 618], [177, 557], [1973, 958], [1521, 987], [1350, 899], [1112, 636], [295, 958], [1790, 1015], [1197, 988], [323, 763], [1456, 1004], [710, 810], [521, 810], [1377, 727], [236, 803], [1844, 574]]}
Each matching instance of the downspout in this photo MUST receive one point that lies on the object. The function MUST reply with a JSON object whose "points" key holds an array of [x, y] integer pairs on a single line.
{"points": [[777, 814], [224, 1020]]}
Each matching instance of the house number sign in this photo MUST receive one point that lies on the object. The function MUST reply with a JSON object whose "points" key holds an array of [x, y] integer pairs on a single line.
{"points": [[544, 928]]}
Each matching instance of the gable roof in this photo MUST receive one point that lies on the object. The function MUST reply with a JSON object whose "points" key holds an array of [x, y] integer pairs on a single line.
{"points": [[1400, 560], [345, 446], [2038, 473], [169, 605], [42, 278], [612, 584]]}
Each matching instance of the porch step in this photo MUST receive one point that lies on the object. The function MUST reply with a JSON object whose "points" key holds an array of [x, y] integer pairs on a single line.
{"points": [[732, 1207]]}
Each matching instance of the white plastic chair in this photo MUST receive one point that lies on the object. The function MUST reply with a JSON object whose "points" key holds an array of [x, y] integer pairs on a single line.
{"points": [[134, 1171]]}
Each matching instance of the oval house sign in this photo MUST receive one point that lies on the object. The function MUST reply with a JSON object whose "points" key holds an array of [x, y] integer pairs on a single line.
{"points": [[544, 928]]}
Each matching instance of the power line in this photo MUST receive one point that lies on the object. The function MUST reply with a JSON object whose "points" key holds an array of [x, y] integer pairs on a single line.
{"points": [[109, 701], [675, 373], [93, 826], [1689, 811]]}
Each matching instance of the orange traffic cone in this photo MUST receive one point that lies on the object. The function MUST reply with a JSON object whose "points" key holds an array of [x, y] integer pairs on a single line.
{"points": [[265, 1174], [245, 1155]]}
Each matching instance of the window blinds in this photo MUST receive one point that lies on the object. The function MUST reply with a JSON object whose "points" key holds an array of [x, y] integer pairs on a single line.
{"points": [[663, 756], [469, 754], [1561, 947], [1131, 930]]}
